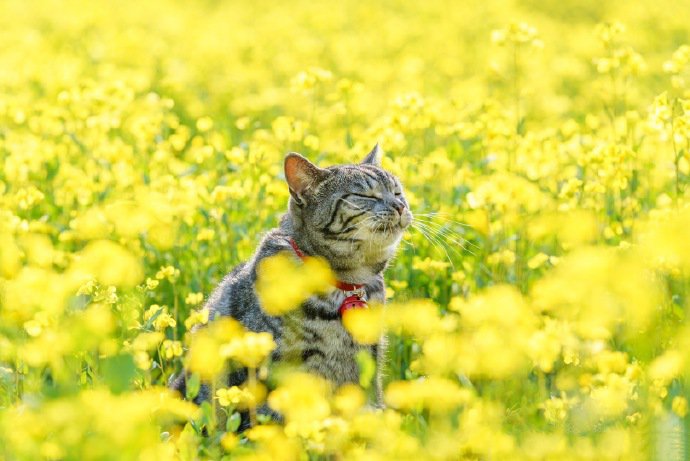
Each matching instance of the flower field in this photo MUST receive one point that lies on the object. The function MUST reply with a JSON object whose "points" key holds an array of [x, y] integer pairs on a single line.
{"points": [[537, 308]]}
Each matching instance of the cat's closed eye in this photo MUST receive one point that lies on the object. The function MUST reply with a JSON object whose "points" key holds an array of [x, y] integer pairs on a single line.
{"points": [[366, 197]]}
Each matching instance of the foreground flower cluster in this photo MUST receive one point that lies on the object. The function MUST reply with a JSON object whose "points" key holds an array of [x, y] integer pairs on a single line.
{"points": [[538, 308]]}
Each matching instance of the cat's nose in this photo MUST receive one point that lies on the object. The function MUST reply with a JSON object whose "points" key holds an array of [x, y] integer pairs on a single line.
{"points": [[399, 206]]}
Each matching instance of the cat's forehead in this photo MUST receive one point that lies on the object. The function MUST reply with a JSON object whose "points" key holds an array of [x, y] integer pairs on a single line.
{"points": [[365, 176]]}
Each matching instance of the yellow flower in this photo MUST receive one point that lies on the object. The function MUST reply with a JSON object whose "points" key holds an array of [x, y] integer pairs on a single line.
{"points": [[283, 284], [667, 366], [430, 266], [433, 393], [662, 239], [680, 406], [142, 360], [147, 341], [206, 235], [194, 298], [556, 408], [159, 317], [204, 357], [516, 32], [416, 318], [237, 397], [199, 317], [98, 320], [537, 260], [365, 325], [33, 327], [301, 397], [151, 284], [109, 263], [171, 349], [348, 399], [204, 124], [229, 441], [168, 272], [251, 349], [612, 397]]}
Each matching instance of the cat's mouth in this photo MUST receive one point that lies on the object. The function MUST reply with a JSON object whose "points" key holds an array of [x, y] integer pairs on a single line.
{"points": [[392, 227], [387, 229]]}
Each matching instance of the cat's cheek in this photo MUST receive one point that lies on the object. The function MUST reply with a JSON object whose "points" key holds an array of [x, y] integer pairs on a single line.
{"points": [[406, 219]]}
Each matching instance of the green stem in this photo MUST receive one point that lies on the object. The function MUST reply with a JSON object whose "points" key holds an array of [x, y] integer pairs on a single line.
{"points": [[676, 157], [252, 384], [214, 403], [17, 381]]}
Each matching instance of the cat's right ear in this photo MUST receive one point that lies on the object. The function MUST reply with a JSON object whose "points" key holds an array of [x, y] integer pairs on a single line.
{"points": [[301, 175], [373, 157]]}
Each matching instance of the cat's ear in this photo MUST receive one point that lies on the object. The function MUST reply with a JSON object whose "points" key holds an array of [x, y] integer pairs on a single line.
{"points": [[373, 157], [301, 175]]}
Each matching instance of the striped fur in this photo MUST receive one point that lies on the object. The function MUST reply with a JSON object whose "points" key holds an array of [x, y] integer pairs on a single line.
{"points": [[353, 216]]}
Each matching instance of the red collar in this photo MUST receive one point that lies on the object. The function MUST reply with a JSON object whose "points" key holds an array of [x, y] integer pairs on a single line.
{"points": [[355, 296]]}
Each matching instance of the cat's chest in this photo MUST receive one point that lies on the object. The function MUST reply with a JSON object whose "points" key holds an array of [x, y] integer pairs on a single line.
{"points": [[315, 338]]}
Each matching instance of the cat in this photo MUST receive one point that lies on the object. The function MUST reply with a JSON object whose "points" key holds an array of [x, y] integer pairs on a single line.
{"points": [[354, 217]]}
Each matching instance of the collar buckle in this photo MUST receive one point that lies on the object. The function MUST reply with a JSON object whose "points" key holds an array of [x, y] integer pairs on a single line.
{"points": [[360, 292]]}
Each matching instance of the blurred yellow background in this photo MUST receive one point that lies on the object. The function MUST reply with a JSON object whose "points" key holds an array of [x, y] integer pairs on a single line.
{"points": [[537, 308]]}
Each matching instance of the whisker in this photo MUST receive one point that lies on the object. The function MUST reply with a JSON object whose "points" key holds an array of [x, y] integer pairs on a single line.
{"points": [[442, 215], [435, 243], [448, 234], [447, 224], [447, 228], [440, 238], [360, 228], [407, 243], [481, 266]]}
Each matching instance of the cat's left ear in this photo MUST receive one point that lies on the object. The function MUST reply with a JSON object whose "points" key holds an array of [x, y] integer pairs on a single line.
{"points": [[373, 157], [301, 175]]}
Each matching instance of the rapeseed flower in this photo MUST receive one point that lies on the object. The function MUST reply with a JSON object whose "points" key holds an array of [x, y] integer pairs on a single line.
{"points": [[282, 283]]}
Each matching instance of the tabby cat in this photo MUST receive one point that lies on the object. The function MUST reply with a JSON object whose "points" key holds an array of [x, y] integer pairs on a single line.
{"points": [[354, 217]]}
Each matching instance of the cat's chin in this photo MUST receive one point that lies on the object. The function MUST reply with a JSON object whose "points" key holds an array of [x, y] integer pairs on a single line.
{"points": [[385, 237]]}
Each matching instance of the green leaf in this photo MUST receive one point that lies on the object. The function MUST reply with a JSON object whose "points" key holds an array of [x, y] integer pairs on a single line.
{"points": [[263, 418], [149, 322], [192, 386], [233, 422], [367, 368], [206, 413], [118, 372]]}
